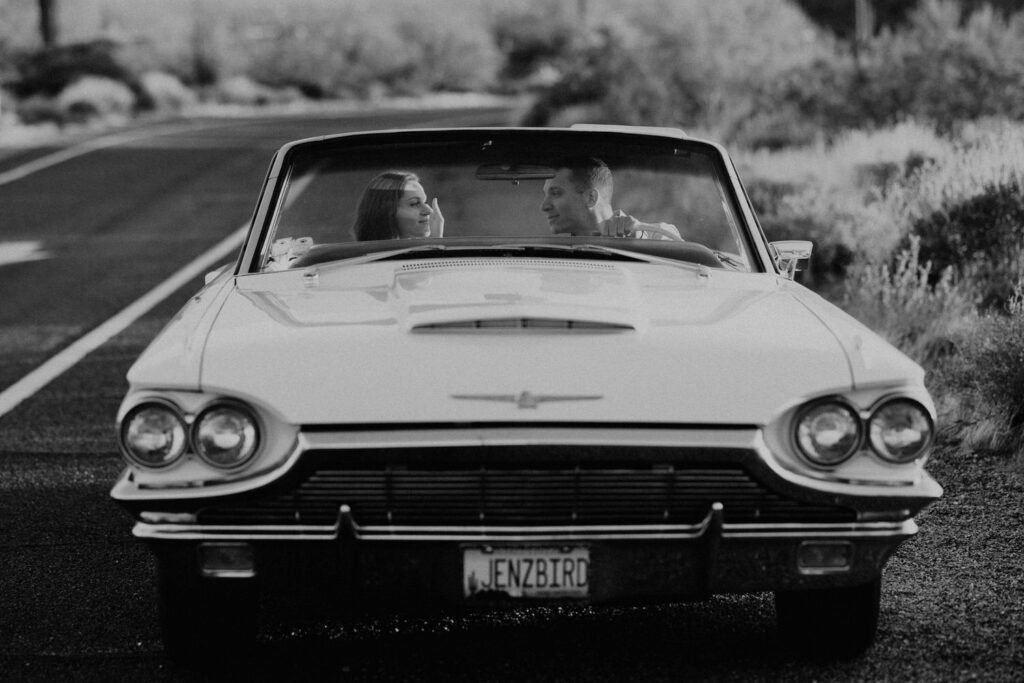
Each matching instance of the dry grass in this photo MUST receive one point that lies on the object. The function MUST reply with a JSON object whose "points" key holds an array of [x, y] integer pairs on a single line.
{"points": [[866, 191]]}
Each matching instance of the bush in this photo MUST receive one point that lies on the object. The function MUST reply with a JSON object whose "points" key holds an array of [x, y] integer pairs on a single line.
{"points": [[243, 90], [987, 380], [38, 110], [985, 231], [166, 92], [922, 312], [376, 56], [946, 69], [448, 57], [94, 97], [691, 65], [48, 72], [835, 195], [531, 39], [967, 210], [609, 74], [941, 68]]}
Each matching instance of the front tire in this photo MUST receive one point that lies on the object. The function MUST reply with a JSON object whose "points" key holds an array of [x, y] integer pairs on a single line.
{"points": [[205, 620], [829, 622]]}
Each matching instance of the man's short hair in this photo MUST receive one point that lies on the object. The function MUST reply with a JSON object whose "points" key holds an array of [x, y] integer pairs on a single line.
{"points": [[588, 172]]}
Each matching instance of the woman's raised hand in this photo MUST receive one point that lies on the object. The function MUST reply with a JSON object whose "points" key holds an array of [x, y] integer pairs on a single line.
{"points": [[436, 220]]}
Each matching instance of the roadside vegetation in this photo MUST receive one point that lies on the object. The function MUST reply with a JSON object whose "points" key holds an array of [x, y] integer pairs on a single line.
{"points": [[899, 150]]}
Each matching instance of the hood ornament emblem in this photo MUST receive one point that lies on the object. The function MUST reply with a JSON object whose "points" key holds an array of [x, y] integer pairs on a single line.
{"points": [[525, 399]]}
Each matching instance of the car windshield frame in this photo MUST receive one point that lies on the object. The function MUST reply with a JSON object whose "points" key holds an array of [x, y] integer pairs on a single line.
{"points": [[490, 150]]}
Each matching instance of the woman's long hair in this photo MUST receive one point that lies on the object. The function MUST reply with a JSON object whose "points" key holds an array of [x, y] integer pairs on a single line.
{"points": [[376, 213]]}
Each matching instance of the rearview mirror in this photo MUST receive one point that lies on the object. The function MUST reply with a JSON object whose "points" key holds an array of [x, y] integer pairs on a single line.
{"points": [[514, 172], [788, 253]]}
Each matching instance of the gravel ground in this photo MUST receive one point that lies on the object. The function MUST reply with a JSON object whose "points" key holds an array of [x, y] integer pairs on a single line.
{"points": [[953, 597]]}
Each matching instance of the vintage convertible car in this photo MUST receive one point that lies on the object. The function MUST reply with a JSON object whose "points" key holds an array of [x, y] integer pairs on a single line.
{"points": [[592, 387]]}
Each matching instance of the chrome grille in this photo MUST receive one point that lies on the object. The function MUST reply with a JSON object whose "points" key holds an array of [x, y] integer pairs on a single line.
{"points": [[599, 494]]}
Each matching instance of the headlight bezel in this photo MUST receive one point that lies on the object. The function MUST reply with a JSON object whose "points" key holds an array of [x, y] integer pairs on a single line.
{"points": [[188, 408], [879, 451], [211, 408], [168, 408], [806, 410], [869, 407]]}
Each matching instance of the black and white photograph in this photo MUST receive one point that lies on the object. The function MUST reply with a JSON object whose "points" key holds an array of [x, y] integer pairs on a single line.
{"points": [[511, 340]]}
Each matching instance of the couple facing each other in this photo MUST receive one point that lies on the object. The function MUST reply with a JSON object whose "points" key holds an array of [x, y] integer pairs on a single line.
{"points": [[577, 201]]}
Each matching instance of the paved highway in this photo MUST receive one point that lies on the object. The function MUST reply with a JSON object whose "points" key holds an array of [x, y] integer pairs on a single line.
{"points": [[97, 231]]}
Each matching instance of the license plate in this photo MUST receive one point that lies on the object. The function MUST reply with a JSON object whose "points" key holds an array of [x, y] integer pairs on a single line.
{"points": [[543, 572]]}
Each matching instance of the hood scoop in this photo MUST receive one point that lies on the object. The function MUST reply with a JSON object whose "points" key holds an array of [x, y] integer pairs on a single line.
{"points": [[523, 324]]}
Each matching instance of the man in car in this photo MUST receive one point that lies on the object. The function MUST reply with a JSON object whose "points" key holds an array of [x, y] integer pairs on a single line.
{"points": [[578, 201]]}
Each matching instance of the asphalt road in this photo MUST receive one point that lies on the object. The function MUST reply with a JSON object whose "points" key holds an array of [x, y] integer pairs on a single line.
{"points": [[77, 592]]}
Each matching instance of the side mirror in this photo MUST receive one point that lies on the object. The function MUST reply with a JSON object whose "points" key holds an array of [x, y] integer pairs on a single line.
{"points": [[788, 253]]}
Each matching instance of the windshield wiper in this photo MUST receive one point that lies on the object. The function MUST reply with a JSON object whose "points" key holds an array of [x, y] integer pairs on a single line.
{"points": [[730, 260]]}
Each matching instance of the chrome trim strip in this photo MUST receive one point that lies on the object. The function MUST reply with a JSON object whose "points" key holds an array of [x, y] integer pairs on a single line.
{"points": [[191, 532], [903, 529]]}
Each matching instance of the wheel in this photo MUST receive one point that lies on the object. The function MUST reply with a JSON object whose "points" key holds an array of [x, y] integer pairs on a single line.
{"points": [[829, 622], [205, 620]]}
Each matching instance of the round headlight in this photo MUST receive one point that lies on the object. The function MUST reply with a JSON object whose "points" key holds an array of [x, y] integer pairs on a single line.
{"points": [[225, 436], [900, 431], [828, 433], [153, 435]]}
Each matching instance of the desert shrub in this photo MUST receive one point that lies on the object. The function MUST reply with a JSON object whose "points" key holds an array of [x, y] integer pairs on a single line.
{"points": [[941, 67], [813, 96], [834, 221], [165, 91], [39, 109], [987, 380], [377, 55], [967, 211], [531, 38], [959, 68], [690, 65], [865, 161], [922, 312], [95, 97], [608, 72], [986, 229], [767, 194], [244, 90], [449, 57], [48, 72], [776, 127], [835, 194]]}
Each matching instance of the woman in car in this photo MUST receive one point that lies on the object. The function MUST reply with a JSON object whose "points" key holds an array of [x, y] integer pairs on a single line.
{"points": [[394, 206]]}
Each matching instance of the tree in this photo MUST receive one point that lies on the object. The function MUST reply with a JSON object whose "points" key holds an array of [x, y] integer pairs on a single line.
{"points": [[841, 17], [48, 22]]}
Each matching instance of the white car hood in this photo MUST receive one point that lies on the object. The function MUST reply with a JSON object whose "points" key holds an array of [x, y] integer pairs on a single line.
{"points": [[410, 342]]}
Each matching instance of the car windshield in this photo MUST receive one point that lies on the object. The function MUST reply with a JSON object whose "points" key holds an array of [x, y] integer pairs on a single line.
{"points": [[599, 196]]}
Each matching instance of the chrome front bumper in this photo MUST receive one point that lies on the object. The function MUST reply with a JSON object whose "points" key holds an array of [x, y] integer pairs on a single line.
{"points": [[650, 561], [413, 566], [346, 528]]}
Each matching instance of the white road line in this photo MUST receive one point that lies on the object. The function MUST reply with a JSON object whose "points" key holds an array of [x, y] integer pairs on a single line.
{"points": [[22, 251], [63, 361], [80, 149]]}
